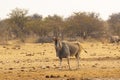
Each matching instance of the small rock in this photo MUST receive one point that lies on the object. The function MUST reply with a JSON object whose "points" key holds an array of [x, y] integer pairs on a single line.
{"points": [[93, 65], [43, 67], [22, 70], [46, 76], [29, 54], [10, 68], [52, 76], [58, 76], [65, 75], [47, 66], [4, 46], [22, 67]]}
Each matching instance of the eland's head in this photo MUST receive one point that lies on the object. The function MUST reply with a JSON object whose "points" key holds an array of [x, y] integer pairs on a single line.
{"points": [[58, 44]]}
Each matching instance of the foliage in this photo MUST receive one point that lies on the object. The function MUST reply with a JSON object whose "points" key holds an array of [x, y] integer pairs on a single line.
{"points": [[114, 24], [18, 20], [79, 24], [5, 31], [84, 24]]}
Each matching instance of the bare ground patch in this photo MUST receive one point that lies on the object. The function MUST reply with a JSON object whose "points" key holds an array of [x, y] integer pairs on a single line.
{"points": [[39, 62]]}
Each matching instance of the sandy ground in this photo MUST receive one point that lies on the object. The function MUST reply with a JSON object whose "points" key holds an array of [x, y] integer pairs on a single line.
{"points": [[39, 62]]}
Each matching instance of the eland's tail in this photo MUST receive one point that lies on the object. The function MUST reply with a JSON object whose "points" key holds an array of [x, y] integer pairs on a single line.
{"points": [[82, 47]]}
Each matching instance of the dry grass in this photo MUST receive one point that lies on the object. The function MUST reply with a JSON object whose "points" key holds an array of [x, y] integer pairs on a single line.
{"points": [[39, 62]]}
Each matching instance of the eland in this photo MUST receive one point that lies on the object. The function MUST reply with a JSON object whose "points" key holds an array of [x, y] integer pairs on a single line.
{"points": [[67, 49]]}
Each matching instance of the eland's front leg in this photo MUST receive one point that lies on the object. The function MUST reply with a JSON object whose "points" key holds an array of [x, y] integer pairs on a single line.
{"points": [[60, 64]]}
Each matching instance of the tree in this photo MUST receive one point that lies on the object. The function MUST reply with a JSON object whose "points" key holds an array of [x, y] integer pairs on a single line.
{"points": [[5, 31], [35, 25], [114, 24], [84, 24], [54, 24], [18, 19], [36, 16]]}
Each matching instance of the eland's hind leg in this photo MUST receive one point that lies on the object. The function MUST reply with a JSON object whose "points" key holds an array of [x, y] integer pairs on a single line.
{"points": [[68, 60], [78, 60]]}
